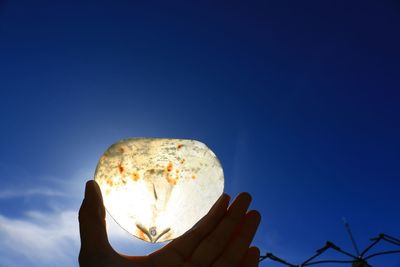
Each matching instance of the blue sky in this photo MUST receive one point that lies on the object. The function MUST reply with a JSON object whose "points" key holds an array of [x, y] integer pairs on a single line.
{"points": [[300, 101]]}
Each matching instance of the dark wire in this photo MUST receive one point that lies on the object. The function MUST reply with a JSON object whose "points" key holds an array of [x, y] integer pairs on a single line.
{"points": [[379, 238], [391, 239], [328, 261], [382, 253], [329, 245]]}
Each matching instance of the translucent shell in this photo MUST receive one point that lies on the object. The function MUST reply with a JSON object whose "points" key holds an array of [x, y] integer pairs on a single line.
{"points": [[157, 189]]}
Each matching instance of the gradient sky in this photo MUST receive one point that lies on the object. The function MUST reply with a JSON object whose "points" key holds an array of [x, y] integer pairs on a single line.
{"points": [[298, 99]]}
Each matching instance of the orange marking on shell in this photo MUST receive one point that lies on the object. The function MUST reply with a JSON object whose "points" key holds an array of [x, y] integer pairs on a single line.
{"points": [[193, 177], [169, 167], [109, 181], [179, 146], [171, 180], [142, 235], [120, 168], [121, 149], [135, 176]]}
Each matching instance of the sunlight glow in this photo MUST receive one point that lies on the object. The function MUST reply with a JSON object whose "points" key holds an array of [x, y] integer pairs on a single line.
{"points": [[157, 189]]}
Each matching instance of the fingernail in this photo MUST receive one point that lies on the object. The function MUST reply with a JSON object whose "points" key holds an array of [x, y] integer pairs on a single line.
{"points": [[256, 215]]}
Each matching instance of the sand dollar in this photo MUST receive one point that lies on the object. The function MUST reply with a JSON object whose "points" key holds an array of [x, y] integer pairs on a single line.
{"points": [[157, 189]]}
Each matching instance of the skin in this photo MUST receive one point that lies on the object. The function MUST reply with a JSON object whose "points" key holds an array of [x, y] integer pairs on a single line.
{"points": [[222, 238]]}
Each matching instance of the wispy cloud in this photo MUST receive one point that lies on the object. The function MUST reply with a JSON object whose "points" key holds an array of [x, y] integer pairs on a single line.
{"points": [[40, 239], [49, 234], [52, 239], [12, 193]]}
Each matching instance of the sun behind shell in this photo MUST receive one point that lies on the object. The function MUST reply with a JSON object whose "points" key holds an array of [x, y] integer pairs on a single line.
{"points": [[157, 189]]}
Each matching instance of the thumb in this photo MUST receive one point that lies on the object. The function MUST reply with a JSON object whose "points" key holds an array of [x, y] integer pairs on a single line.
{"points": [[92, 224]]}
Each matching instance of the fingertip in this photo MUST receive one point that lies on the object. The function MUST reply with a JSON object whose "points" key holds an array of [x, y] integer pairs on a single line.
{"points": [[92, 190], [254, 255], [225, 198], [254, 251], [225, 195], [222, 201], [255, 214], [91, 182], [89, 187], [245, 196]]}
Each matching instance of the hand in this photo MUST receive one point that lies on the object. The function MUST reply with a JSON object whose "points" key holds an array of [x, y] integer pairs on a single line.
{"points": [[220, 239]]}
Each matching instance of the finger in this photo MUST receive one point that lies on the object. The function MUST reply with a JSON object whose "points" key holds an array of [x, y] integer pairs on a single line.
{"points": [[186, 244], [238, 247], [212, 246], [251, 259], [92, 223]]}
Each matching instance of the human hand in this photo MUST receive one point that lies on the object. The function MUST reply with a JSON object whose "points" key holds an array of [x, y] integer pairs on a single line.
{"points": [[220, 239]]}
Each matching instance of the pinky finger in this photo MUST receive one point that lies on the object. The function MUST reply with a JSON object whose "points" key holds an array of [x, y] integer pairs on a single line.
{"points": [[251, 258]]}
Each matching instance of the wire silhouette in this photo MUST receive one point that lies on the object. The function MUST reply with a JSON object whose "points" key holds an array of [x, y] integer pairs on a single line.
{"points": [[353, 241], [358, 261]]}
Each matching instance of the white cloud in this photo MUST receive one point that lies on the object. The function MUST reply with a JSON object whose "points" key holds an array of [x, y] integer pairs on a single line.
{"points": [[52, 239], [40, 239], [49, 234], [6, 194]]}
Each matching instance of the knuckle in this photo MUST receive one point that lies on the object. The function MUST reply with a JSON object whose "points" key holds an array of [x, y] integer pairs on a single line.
{"points": [[234, 218], [216, 242]]}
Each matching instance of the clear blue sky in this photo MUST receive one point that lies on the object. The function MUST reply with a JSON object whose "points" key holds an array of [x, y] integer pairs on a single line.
{"points": [[298, 99]]}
